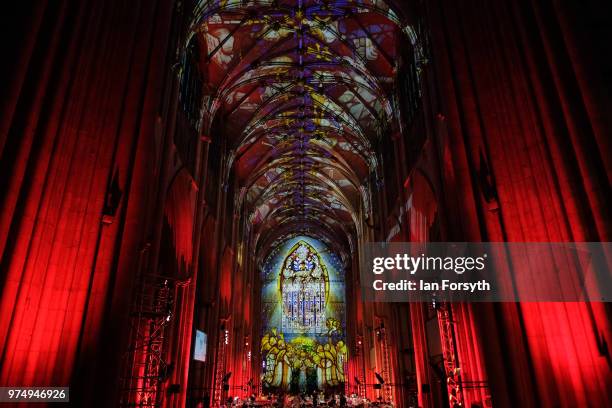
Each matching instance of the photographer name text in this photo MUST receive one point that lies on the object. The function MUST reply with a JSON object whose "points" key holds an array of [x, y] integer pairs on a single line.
{"points": [[428, 286]]}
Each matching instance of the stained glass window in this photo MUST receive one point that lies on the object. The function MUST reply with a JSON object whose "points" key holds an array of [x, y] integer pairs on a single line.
{"points": [[302, 345], [304, 284]]}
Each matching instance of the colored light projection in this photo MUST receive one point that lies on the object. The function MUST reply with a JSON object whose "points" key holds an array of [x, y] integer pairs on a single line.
{"points": [[299, 77], [303, 345]]}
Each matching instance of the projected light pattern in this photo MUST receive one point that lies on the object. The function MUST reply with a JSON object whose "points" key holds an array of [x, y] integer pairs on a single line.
{"points": [[303, 290], [302, 91], [303, 343]]}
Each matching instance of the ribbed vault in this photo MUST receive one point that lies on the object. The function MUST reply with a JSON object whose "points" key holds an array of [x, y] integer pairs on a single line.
{"points": [[301, 91]]}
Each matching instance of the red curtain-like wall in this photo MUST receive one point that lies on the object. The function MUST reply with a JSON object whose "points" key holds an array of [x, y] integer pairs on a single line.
{"points": [[80, 163], [526, 157]]}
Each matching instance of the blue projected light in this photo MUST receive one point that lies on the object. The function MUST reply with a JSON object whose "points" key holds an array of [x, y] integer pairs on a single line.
{"points": [[303, 344]]}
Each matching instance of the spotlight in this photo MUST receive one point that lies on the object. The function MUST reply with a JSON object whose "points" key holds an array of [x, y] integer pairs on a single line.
{"points": [[379, 378]]}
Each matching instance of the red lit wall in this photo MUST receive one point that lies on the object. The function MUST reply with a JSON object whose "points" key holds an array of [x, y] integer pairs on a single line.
{"points": [[81, 118], [525, 155]]}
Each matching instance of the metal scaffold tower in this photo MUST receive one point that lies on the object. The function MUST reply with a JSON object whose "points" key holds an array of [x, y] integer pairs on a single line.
{"points": [[360, 377], [246, 369], [220, 373], [386, 369], [144, 367], [451, 368]]}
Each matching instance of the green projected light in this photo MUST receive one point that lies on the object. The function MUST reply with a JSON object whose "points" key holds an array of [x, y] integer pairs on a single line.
{"points": [[303, 345]]}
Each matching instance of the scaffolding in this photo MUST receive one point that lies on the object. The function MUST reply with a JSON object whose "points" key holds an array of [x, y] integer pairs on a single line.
{"points": [[386, 375], [220, 374], [360, 378], [451, 367], [144, 368], [387, 372], [246, 369]]}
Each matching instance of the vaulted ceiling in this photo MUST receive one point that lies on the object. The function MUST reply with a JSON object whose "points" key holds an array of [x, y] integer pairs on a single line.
{"points": [[301, 91]]}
